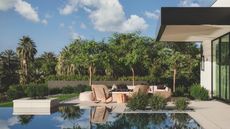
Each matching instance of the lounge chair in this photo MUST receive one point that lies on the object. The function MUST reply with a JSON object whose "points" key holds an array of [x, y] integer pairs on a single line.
{"points": [[141, 89], [100, 114], [101, 93]]}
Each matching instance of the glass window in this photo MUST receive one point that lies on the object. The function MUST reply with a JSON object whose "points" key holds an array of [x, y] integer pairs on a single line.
{"points": [[220, 67]]}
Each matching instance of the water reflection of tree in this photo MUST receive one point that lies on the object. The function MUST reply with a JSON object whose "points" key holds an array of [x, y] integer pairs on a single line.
{"points": [[71, 113], [180, 120], [25, 119], [138, 120], [157, 118], [120, 122]]}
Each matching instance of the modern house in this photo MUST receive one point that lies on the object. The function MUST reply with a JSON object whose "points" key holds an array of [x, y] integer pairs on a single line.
{"points": [[211, 27]]}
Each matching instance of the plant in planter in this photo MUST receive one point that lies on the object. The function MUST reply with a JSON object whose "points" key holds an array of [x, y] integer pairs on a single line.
{"points": [[181, 103], [199, 92], [157, 102], [138, 101]]}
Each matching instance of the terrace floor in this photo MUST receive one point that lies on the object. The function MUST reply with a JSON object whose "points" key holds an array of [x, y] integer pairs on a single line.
{"points": [[209, 114]]}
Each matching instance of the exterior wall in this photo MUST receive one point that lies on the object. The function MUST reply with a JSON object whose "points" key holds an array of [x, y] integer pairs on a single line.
{"points": [[205, 75], [221, 3]]}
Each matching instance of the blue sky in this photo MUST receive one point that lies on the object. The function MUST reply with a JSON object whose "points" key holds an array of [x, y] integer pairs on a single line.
{"points": [[53, 24]]}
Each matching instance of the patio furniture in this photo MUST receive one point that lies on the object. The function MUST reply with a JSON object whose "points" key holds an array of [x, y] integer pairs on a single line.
{"points": [[162, 90], [101, 93], [141, 89], [86, 96], [121, 97]]}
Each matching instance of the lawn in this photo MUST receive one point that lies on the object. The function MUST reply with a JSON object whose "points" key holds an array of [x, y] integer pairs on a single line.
{"points": [[60, 97], [64, 97]]}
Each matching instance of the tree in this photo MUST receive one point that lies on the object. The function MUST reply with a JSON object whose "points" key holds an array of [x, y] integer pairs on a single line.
{"points": [[89, 56], [9, 65], [131, 50], [26, 51]]}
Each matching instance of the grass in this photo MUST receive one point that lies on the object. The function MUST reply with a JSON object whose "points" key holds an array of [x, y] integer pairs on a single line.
{"points": [[6, 104], [60, 97], [64, 97]]}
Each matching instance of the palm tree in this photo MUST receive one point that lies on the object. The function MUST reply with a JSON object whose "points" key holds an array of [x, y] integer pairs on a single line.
{"points": [[49, 62], [8, 68], [26, 50]]}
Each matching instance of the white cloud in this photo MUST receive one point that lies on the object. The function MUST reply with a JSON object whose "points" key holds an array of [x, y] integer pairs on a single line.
{"points": [[44, 21], [106, 16], [189, 3], [22, 7], [83, 26], [7, 4], [87, 9], [134, 23], [154, 15], [26, 10], [69, 8], [75, 35]]}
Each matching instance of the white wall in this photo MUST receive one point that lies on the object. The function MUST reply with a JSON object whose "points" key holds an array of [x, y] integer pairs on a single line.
{"points": [[205, 76], [221, 3]]}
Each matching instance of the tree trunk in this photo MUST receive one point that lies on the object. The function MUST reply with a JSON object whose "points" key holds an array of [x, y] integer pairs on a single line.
{"points": [[174, 79], [133, 72], [90, 75]]}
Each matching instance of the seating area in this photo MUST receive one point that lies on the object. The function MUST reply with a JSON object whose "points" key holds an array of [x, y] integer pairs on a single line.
{"points": [[121, 94]]}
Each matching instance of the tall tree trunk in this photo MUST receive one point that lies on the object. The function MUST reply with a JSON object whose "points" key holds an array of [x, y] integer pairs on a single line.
{"points": [[90, 75], [174, 79], [133, 72]]}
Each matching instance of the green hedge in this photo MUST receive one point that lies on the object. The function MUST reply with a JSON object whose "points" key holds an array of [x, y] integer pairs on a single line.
{"points": [[37, 91], [198, 92], [180, 91], [70, 89], [16, 92], [150, 79]]}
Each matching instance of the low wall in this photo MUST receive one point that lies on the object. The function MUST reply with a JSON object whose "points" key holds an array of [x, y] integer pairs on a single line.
{"points": [[60, 84]]}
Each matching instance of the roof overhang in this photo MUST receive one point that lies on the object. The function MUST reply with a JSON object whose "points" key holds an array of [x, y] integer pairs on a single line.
{"points": [[191, 24]]}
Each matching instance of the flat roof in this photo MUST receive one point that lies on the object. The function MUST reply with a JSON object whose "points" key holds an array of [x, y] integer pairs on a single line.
{"points": [[174, 18]]}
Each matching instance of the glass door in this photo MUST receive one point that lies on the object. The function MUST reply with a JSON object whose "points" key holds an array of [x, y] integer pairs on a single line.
{"points": [[220, 67]]}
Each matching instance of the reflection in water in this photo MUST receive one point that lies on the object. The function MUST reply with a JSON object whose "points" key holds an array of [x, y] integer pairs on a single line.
{"points": [[72, 117], [99, 114], [25, 119], [71, 113]]}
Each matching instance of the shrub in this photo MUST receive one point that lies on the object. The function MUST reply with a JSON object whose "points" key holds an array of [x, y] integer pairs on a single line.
{"points": [[81, 88], [37, 91], [15, 92], [180, 90], [67, 90], [181, 103], [3, 97], [138, 101], [199, 92], [157, 102], [54, 91]]}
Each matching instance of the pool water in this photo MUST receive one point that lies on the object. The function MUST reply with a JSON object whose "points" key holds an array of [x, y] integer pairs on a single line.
{"points": [[72, 117]]}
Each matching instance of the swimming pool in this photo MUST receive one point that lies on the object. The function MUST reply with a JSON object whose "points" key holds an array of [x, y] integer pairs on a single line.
{"points": [[73, 117]]}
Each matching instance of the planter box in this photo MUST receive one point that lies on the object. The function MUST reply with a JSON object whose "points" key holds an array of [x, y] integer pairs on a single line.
{"points": [[27, 106]]}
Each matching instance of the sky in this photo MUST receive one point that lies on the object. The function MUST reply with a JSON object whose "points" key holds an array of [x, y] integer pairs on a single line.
{"points": [[53, 24]]}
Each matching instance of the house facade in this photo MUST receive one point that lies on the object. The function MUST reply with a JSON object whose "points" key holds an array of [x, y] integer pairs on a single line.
{"points": [[211, 27]]}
